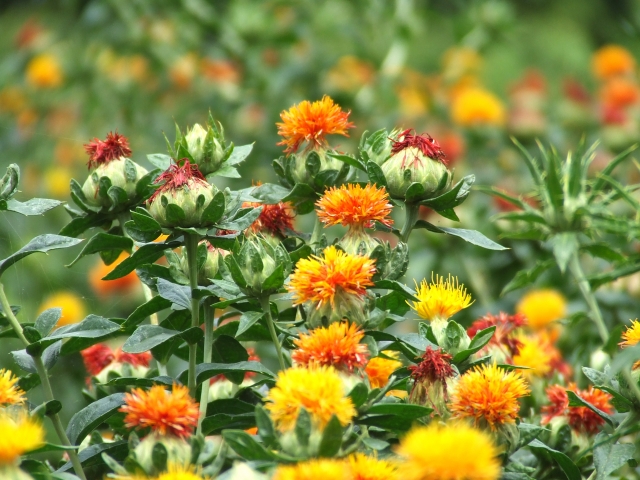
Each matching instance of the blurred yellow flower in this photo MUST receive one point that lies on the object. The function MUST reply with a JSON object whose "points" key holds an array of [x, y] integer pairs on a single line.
{"points": [[12, 100], [542, 307], [57, 182], [349, 74], [322, 469], [612, 60], [10, 392], [534, 352], [379, 369], [73, 309], [20, 434], [184, 70], [458, 62], [181, 472], [364, 467], [44, 71], [477, 107]]}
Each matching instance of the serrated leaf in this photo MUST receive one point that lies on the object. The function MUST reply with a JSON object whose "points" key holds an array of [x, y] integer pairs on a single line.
{"points": [[178, 295]]}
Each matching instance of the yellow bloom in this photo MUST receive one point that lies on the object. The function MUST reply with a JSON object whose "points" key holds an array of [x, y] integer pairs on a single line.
{"points": [[488, 395], [10, 392], [322, 469], [612, 60], [379, 369], [448, 452], [318, 390], [44, 71], [364, 467], [20, 434], [477, 107], [320, 279], [337, 345], [181, 472], [534, 352], [73, 310], [542, 307], [631, 336], [440, 300], [57, 181]]}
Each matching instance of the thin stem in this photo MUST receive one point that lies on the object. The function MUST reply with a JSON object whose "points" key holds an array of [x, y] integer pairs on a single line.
{"points": [[587, 293], [209, 315], [191, 245], [411, 215], [266, 308], [317, 231], [46, 385]]}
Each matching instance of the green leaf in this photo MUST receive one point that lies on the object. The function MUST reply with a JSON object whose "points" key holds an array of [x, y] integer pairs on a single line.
{"points": [[600, 279], [274, 281], [604, 251], [47, 320], [247, 320], [375, 174], [266, 429], [404, 410], [178, 295], [566, 464], [24, 361], [471, 236], [147, 337], [160, 160], [215, 210], [477, 342], [244, 445], [576, 401], [354, 162], [359, 394], [86, 420], [270, 193], [405, 291], [527, 277], [564, 246], [606, 171], [33, 206], [204, 371], [454, 197], [145, 222], [242, 221], [92, 455], [93, 326], [41, 243], [175, 214], [156, 304], [148, 253], [331, 438], [609, 457], [101, 242], [239, 154], [302, 427]]}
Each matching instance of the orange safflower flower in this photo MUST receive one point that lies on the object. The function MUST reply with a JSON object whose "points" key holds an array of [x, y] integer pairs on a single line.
{"points": [[165, 413], [581, 419], [105, 288], [355, 205], [476, 107], [10, 392], [319, 279], [276, 219], [379, 369], [43, 71], [337, 345], [311, 122], [488, 394], [97, 357], [612, 60]]}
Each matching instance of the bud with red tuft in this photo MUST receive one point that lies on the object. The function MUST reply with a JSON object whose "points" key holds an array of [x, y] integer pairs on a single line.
{"points": [[503, 344], [101, 362], [430, 378], [109, 159]]}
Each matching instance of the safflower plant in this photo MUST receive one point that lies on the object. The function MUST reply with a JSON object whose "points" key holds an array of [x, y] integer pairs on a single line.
{"points": [[184, 395]]}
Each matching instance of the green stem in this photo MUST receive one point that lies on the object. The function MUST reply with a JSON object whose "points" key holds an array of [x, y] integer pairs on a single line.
{"points": [[266, 308], [411, 215], [46, 385], [317, 231], [587, 293], [209, 315], [191, 245]]}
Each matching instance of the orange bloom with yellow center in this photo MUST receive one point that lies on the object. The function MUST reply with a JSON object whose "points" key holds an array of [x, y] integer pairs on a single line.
{"points": [[165, 413], [320, 279], [477, 107], [20, 434], [489, 395], [44, 71], [319, 390], [311, 122], [631, 336], [364, 467], [337, 345], [440, 299], [612, 60], [355, 205], [379, 369], [10, 392]]}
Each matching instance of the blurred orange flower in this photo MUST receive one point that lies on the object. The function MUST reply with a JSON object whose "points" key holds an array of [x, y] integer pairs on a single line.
{"points": [[105, 288], [612, 60], [44, 71], [477, 107], [73, 308]]}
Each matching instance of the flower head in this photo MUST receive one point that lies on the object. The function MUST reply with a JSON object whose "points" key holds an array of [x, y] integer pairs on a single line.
{"points": [[175, 471], [10, 392], [581, 419], [503, 336], [427, 145], [20, 434], [319, 279], [43, 71], [379, 369], [535, 352], [73, 309], [612, 60], [318, 390], [559, 403], [489, 395], [166, 413], [476, 107], [324, 468], [96, 358], [311, 122], [448, 452], [104, 151], [440, 299], [364, 467], [337, 345], [353, 204], [631, 336], [176, 176], [435, 366], [276, 219], [542, 307]]}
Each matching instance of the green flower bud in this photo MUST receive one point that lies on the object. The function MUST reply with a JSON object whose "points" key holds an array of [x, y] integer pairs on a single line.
{"points": [[309, 163], [355, 308], [121, 172], [258, 263], [451, 336], [208, 259], [416, 159], [182, 199], [178, 451], [358, 242], [9, 182], [377, 146]]}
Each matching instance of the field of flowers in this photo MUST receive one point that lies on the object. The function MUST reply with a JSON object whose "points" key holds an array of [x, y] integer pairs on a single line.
{"points": [[307, 240]]}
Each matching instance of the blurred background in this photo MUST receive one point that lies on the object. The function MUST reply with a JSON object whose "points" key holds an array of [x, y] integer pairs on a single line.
{"points": [[470, 73]]}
